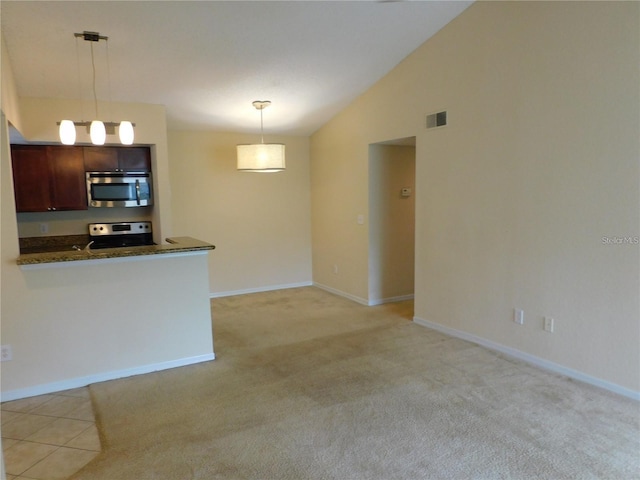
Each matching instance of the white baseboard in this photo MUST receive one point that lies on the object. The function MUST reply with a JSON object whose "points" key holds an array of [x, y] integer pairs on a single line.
{"points": [[532, 359], [340, 293], [258, 289], [363, 301], [101, 377], [399, 298]]}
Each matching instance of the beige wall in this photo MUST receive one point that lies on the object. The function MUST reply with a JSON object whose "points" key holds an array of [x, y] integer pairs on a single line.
{"points": [[12, 230], [339, 194], [539, 162], [8, 90], [392, 223], [259, 222]]}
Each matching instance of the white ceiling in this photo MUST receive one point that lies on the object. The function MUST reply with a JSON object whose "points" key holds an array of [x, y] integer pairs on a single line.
{"points": [[206, 61]]}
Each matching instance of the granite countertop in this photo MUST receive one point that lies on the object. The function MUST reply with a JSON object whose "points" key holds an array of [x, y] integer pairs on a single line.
{"points": [[174, 245], [54, 243]]}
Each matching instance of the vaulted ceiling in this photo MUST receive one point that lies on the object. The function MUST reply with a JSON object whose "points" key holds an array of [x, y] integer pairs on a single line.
{"points": [[206, 61]]}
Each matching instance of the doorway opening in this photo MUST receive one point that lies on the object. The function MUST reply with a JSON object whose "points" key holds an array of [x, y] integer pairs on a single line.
{"points": [[392, 173]]}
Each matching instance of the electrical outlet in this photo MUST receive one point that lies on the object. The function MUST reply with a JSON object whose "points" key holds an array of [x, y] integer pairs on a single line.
{"points": [[44, 228], [548, 324], [518, 316], [5, 353], [335, 269]]}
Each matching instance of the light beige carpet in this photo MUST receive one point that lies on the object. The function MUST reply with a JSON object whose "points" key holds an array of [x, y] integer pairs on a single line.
{"points": [[307, 385]]}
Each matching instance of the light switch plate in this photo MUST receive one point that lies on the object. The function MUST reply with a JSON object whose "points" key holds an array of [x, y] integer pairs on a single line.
{"points": [[518, 316]]}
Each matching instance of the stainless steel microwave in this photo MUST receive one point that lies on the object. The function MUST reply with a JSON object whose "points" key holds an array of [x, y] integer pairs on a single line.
{"points": [[119, 189]]}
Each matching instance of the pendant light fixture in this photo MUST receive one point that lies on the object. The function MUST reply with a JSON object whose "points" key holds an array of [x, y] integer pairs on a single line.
{"points": [[261, 157], [97, 129]]}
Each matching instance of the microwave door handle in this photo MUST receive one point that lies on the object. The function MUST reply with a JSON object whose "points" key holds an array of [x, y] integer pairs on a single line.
{"points": [[138, 192]]}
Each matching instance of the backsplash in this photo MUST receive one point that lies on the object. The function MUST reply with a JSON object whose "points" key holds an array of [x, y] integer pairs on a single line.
{"points": [[46, 224], [52, 243]]}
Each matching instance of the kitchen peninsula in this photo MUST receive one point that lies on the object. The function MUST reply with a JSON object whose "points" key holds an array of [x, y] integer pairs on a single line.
{"points": [[118, 312]]}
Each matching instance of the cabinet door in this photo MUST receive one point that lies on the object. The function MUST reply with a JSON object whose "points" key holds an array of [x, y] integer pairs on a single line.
{"points": [[100, 159], [31, 178], [68, 185], [135, 159]]}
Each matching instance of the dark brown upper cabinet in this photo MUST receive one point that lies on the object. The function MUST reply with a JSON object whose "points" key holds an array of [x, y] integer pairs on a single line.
{"points": [[117, 159], [48, 178]]}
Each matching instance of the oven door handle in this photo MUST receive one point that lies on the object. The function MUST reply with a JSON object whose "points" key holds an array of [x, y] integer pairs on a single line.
{"points": [[138, 192]]}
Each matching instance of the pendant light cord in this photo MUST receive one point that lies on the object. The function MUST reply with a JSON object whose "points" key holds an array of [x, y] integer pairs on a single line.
{"points": [[93, 67], [110, 117], [261, 128], [79, 81]]}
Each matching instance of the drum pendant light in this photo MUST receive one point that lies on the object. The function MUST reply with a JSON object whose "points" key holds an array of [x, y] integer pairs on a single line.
{"points": [[261, 157]]}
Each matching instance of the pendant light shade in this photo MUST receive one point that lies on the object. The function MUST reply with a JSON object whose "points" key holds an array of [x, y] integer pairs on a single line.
{"points": [[67, 132], [125, 131], [261, 157], [97, 132]]}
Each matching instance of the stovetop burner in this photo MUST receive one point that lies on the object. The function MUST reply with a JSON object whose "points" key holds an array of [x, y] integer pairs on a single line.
{"points": [[120, 234]]}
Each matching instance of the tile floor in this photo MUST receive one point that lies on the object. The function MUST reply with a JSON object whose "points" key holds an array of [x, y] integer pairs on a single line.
{"points": [[49, 437]]}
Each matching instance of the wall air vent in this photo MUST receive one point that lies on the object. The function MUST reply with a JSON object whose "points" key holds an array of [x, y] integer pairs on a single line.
{"points": [[435, 120]]}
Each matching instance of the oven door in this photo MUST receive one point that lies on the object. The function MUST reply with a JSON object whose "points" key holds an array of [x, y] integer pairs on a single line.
{"points": [[119, 189]]}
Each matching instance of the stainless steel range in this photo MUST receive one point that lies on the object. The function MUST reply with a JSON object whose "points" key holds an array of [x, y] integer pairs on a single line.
{"points": [[120, 234]]}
